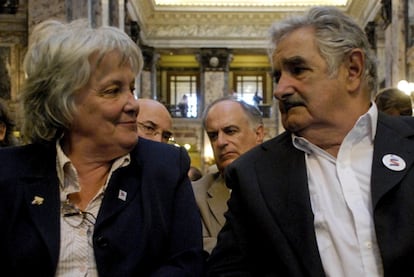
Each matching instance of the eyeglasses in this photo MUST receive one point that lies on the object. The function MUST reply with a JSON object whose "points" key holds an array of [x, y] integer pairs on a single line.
{"points": [[76, 217], [151, 129]]}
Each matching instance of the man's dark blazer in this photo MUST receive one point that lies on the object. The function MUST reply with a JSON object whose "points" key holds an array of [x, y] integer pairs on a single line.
{"points": [[269, 227], [154, 231]]}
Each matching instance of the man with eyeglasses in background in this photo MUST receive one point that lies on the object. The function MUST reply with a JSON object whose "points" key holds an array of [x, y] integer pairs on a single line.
{"points": [[154, 121]]}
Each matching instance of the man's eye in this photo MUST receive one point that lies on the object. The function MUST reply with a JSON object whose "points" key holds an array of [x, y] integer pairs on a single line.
{"points": [[297, 70], [276, 76], [149, 128], [212, 136], [231, 131]]}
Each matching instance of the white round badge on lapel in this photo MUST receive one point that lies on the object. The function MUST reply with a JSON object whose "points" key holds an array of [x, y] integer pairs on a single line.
{"points": [[393, 162]]}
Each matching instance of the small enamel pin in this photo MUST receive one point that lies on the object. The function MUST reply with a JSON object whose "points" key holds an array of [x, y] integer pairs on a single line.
{"points": [[393, 162], [122, 195], [37, 200]]}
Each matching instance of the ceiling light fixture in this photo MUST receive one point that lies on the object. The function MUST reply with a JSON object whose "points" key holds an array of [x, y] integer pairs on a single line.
{"points": [[249, 3]]}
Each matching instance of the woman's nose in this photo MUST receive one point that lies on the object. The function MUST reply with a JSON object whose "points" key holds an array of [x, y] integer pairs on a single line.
{"points": [[132, 104]]}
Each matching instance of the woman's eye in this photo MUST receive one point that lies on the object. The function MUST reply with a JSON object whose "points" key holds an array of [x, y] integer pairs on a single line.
{"points": [[111, 91]]}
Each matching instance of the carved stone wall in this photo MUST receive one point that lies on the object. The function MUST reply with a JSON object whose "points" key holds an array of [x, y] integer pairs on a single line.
{"points": [[145, 88], [40, 10], [13, 41], [213, 86]]}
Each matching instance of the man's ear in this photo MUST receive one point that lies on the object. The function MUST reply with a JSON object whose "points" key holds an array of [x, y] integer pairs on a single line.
{"points": [[260, 133], [2, 131], [355, 67]]}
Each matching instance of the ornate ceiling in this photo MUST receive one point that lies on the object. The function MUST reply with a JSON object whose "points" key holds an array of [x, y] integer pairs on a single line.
{"points": [[246, 3], [166, 24]]}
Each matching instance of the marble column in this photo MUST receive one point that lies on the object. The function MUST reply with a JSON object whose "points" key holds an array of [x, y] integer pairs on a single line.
{"points": [[214, 72], [214, 68], [149, 73], [394, 12]]}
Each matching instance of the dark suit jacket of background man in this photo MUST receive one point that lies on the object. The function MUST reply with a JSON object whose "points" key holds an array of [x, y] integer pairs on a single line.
{"points": [[29, 249], [277, 229]]}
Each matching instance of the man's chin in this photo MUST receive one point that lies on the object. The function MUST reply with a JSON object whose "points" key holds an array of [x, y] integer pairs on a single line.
{"points": [[225, 163], [292, 125]]}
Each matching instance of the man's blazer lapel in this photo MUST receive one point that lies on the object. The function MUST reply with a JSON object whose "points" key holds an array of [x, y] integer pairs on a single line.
{"points": [[391, 138], [200, 188], [218, 201], [283, 180]]}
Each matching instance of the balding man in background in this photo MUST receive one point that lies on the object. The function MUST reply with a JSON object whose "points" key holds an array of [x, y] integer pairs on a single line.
{"points": [[155, 123], [233, 127], [154, 120]]}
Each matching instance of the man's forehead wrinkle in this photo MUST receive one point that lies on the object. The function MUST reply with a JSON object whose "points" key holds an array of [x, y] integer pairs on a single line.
{"points": [[283, 61], [293, 60]]}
